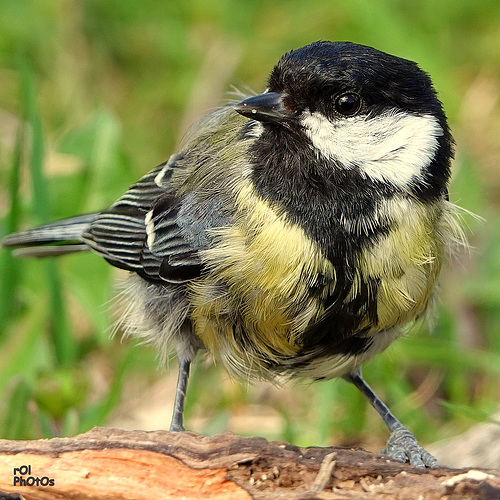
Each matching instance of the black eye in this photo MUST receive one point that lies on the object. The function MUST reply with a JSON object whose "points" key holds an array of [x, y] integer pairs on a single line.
{"points": [[347, 104]]}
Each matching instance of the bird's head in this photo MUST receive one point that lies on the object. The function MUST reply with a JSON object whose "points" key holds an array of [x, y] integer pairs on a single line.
{"points": [[355, 109]]}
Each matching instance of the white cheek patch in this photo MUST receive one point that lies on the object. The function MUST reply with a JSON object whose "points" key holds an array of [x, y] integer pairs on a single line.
{"points": [[393, 147]]}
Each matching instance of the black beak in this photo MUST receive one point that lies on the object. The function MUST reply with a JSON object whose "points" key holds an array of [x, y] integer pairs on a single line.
{"points": [[266, 107]]}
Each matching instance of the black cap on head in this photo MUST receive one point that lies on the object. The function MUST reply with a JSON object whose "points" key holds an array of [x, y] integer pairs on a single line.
{"points": [[384, 80]]}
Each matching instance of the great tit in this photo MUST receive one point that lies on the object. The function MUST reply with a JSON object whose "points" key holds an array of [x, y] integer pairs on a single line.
{"points": [[296, 233]]}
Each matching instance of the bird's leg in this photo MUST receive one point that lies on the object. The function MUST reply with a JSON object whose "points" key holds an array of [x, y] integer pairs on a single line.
{"points": [[402, 444], [177, 424]]}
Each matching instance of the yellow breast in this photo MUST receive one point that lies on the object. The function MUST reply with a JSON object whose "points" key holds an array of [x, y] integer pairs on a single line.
{"points": [[406, 261], [255, 302], [261, 272]]}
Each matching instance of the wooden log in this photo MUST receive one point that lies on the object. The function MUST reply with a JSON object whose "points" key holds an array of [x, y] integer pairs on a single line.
{"points": [[115, 464]]}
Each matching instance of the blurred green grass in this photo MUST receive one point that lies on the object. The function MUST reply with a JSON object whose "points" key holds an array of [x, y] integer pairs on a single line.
{"points": [[94, 94]]}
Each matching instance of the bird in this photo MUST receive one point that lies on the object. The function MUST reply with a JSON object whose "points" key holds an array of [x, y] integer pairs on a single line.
{"points": [[294, 233]]}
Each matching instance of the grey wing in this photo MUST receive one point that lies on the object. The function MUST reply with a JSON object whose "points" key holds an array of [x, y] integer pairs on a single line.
{"points": [[140, 232], [178, 229]]}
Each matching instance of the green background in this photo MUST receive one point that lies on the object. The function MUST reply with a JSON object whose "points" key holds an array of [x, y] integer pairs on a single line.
{"points": [[93, 94]]}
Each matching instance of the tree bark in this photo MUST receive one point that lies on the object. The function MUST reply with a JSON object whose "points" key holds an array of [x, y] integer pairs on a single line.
{"points": [[115, 464]]}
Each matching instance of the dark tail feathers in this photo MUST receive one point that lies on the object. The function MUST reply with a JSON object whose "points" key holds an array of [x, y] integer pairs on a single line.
{"points": [[53, 239]]}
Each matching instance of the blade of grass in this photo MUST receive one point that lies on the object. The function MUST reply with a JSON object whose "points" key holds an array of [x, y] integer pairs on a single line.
{"points": [[447, 355], [474, 414], [64, 344], [9, 266], [15, 419]]}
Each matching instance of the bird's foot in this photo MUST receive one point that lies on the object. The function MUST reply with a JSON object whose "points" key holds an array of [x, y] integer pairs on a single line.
{"points": [[403, 447]]}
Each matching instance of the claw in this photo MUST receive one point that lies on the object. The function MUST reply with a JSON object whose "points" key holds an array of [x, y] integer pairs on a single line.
{"points": [[403, 447], [402, 444]]}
